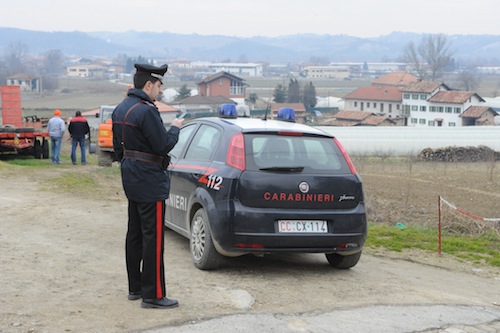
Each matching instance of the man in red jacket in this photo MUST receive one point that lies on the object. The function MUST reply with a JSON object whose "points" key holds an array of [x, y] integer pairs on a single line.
{"points": [[78, 128]]}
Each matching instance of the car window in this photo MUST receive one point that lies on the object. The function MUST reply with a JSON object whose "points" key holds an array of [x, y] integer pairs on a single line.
{"points": [[204, 143], [184, 135], [315, 154]]}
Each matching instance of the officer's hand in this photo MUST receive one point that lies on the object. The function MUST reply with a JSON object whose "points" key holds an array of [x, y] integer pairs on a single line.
{"points": [[177, 122]]}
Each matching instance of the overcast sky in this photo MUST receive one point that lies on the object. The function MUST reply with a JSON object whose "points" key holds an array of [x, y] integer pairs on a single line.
{"points": [[362, 18]]}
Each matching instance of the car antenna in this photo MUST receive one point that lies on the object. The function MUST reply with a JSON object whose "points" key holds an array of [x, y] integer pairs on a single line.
{"points": [[267, 110]]}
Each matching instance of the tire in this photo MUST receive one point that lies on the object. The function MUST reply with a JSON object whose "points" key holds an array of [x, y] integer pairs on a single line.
{"points": [[24, 130], [203, 252], [343, 262], [45, 149], [37, 149], [7, 129]]}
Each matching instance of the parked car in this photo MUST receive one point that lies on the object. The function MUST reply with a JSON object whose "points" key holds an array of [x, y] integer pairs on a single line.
{"points": [[243, 185]]}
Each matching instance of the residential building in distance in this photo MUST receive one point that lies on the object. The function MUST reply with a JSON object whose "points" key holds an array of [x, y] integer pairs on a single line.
{"points": [[241, 69], [395, 79], [87, 70], [413, 102], [383, 100], [214, 90], [223, 84], [358, 118], [27, 82], [337, 72], [427, 103]]}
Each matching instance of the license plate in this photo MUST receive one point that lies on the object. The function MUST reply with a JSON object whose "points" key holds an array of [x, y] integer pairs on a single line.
{"points": [[302, 226]]}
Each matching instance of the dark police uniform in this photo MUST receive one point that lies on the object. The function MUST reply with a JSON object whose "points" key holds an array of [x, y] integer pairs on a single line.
{"points": [[141, 143]]}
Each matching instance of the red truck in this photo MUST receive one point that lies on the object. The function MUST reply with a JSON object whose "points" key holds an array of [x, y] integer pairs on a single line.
{"points": [[15, 136]]}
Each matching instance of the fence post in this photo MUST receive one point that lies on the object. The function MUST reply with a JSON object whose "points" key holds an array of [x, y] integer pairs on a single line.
{"points": [[439, 225]]}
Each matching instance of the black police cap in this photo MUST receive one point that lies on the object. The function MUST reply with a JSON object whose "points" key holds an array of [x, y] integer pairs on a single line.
{"points": [[151, 70]]}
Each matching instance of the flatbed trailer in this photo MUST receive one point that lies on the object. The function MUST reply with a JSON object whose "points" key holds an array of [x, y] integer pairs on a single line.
{"points": [[24, 141]]}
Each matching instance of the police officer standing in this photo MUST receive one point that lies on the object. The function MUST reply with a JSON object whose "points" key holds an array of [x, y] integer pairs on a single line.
{"points": [[141, 142]]}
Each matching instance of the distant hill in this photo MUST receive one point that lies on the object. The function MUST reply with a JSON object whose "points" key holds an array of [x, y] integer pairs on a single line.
{"points": [[469, 49]]}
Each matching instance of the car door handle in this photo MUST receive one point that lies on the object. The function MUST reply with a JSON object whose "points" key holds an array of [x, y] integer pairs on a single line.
{"points": [[197, 174]]}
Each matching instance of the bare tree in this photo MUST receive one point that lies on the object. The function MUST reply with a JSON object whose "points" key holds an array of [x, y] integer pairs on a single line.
{"points": [[468, 80], [53, 62], [14, 57], [412, 58], [430, 58]]}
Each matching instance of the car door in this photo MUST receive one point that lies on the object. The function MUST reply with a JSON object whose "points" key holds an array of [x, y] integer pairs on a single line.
{"points": [[189, 172], [175, 201]]}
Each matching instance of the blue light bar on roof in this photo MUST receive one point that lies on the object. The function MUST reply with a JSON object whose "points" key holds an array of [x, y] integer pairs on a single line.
{"points": [[227, 111], [286, 114]]}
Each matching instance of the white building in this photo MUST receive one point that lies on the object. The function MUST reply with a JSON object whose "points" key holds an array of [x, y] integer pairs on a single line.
{"points": [[385, 101], [240, 69], [337, 72], [428, 103]]}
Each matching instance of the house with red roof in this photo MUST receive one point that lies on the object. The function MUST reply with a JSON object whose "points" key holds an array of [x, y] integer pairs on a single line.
{"points": [[358, 118], [382, 100], [478, 116], [427, 103], [413, 102], [223, 84], [395, 79]]}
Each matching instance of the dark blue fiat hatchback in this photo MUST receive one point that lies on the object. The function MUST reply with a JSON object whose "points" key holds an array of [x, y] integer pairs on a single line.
{"points": [[243, 185]]}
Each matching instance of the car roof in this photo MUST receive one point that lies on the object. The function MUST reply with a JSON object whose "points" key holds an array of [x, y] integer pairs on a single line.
{"points": [[249, 125]]}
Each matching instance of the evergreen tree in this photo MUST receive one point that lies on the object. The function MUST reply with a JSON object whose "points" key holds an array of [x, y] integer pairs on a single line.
{"points": [[183, 92], [294, 92], [310, 95], [280, 93]]}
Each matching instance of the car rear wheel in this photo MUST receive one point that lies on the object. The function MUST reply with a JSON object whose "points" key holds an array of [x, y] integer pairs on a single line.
{"points": [[203, 252], [343, 262]]}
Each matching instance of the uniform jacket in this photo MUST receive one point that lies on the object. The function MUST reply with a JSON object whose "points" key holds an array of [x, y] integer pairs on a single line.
{"points": [[78, 127], [143, 131], [56, 127]]}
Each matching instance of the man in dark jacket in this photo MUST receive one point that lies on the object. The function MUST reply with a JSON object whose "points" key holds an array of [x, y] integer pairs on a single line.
{"points": [[141, 142], [78, 128]]}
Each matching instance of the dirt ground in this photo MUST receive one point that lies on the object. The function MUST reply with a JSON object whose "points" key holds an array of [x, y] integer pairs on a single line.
{"points": [[62, 255]]}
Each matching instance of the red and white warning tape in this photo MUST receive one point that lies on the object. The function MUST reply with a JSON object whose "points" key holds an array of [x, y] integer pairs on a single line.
{"points": [[469, 214]]}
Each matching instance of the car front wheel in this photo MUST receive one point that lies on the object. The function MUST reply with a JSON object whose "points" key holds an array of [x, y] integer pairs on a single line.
{"points": [[343, 262], [203, 252]]}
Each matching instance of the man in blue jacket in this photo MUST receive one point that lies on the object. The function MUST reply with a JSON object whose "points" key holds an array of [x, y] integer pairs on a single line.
{"points": [[141, 142], [78, 128], [56, 128]]}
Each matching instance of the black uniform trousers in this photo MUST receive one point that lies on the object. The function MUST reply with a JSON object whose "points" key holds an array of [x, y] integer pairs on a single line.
{"points": [[145, 243]]}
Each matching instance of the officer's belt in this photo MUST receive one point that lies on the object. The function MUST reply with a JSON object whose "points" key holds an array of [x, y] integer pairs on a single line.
{"points": [[141, 156]]}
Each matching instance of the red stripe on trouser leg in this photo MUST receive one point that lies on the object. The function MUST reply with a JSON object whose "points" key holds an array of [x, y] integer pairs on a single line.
{"points": [[159, 240]]}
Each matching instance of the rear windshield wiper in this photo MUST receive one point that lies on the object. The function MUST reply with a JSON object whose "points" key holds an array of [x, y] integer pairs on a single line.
{"points": [[283, 169]]}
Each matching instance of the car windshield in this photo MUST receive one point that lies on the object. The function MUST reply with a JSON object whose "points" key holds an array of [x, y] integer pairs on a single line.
{"points": [[294, 153]]}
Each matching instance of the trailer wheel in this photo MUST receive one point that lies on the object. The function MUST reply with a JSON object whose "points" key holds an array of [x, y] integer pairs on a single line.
{"points": [[45, 149], [37, 149]]}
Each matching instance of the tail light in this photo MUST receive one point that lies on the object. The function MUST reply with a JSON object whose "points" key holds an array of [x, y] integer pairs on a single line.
{"points": [[347, 158], [236, 152]]}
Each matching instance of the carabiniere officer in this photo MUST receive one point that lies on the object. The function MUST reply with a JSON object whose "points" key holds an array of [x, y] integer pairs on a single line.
{"points": [[142, 143]]}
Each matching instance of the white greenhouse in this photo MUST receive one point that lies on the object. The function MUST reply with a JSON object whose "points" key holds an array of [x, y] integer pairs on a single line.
{"points": [[403, 141]]}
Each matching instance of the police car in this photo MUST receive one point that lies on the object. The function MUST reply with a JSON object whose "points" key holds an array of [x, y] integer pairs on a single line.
{"points": [[243, 185]]}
